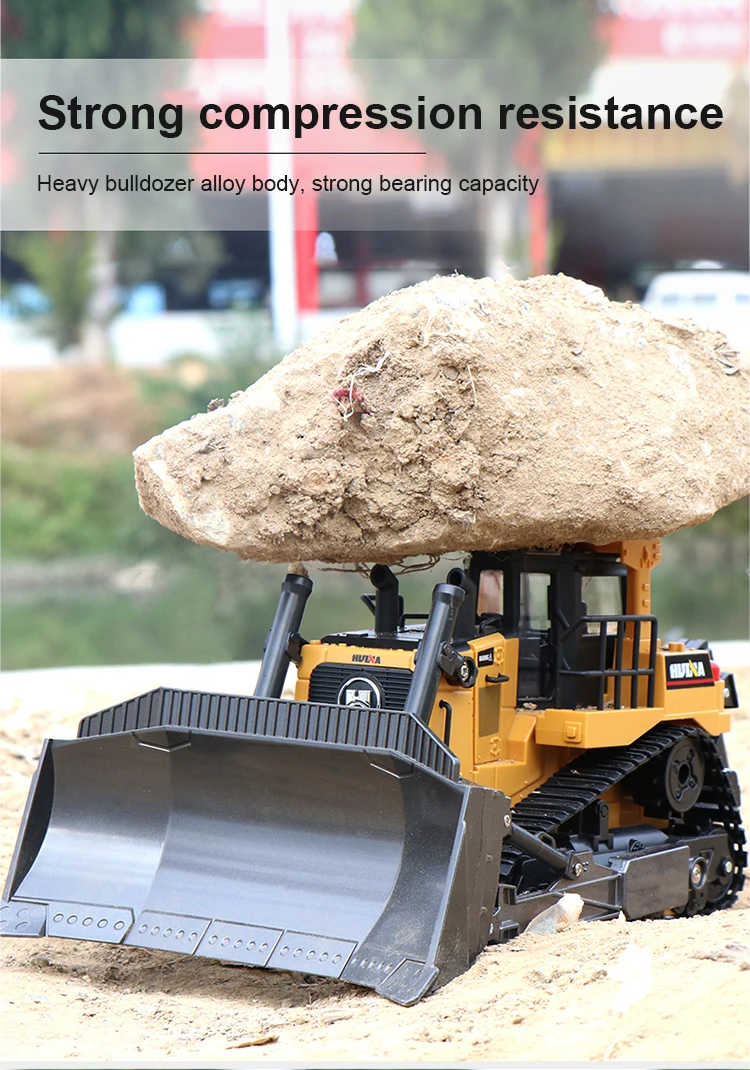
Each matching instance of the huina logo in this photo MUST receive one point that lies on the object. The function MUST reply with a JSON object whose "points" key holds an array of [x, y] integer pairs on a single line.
{"points": [[685, 670], [689, 670], [368, 659]]}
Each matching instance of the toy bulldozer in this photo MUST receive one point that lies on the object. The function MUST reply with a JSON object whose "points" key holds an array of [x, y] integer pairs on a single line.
{"points": [[435, 783]]}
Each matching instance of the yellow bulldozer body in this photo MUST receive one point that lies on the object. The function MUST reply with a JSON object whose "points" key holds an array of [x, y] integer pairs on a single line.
{"points": [[515, 749], [431, 787]]}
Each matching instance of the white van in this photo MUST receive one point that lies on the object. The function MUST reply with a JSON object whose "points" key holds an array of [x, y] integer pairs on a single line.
{"points": [[718, 299]]}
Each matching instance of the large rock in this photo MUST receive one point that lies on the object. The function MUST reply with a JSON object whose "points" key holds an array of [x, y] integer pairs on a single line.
{"points": [[461, 414]]}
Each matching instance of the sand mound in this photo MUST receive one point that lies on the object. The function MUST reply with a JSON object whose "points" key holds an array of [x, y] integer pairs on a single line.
{"points": [[462, 414]]}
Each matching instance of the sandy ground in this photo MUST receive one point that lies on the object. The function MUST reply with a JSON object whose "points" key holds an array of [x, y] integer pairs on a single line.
{"points": [[671, 990]]}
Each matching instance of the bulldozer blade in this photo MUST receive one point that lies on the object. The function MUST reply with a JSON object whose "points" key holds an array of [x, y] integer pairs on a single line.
{"points": [[328, 840]]}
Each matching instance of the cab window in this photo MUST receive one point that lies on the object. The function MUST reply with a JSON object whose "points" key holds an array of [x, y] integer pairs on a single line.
{"points": [[490, 599], [535, 601], [602, 596]]}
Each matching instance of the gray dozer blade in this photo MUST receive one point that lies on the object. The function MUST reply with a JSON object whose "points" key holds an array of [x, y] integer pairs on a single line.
{"points": [[322, 839]]}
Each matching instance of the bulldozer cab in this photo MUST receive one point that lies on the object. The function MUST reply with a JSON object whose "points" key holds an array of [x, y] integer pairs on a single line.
{"points": [[567, 611]]}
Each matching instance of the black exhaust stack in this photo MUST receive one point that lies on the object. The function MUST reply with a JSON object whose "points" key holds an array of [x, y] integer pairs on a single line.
{"points": [[466, 622], [438, 631], [295, 590], [389, 605]]}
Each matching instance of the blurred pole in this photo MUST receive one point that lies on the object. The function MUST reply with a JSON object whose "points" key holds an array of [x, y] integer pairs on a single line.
{"points": [[539, 224], [496, 222], [96, 342], [498, 235], [281, 205], [529, 156], [307, 265]]}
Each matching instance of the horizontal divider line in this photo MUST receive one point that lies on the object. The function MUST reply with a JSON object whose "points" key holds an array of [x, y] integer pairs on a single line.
{"points": [[197, 152]]}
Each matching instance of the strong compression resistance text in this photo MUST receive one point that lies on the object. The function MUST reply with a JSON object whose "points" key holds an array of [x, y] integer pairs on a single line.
{"points": [[76, 115]]}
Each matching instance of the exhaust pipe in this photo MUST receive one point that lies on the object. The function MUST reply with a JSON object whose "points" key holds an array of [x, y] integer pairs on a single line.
{"points": [[446, 602], [389, 605], [295, 590], [466, 622]]}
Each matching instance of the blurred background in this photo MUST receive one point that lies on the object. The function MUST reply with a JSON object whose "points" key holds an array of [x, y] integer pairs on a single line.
{"points": [[108, 337]]}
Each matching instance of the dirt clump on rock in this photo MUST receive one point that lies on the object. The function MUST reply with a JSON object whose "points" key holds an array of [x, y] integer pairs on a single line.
{"points": [[463, 414]]}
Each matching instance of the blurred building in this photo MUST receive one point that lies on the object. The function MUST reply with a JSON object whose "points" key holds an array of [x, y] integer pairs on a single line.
{"points": [[614, 207], [628, 203], [372, 246], [618, 205]]}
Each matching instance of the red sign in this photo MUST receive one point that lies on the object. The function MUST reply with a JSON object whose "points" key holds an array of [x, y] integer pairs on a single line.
{"points": [[321, 72], [678, 29]]}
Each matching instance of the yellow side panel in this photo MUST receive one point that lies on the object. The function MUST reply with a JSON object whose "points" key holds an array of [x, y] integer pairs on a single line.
{"points": [[526, 764], [584, 728], [494, 702]]}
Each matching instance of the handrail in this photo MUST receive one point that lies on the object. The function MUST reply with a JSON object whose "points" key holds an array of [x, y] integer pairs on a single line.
{"points": [[635, 671]]}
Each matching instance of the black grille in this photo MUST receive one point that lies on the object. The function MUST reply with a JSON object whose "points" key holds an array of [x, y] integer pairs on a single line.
{"points": [[326, 681]]}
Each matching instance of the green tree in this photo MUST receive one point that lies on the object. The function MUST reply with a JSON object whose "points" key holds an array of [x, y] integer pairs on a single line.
{"points": [[483, 52], [86, 29], [94, 29], [185, 262], [59, 264]]}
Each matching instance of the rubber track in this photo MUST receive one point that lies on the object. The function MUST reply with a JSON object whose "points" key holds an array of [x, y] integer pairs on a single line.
{"points": [[584, 780]]}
